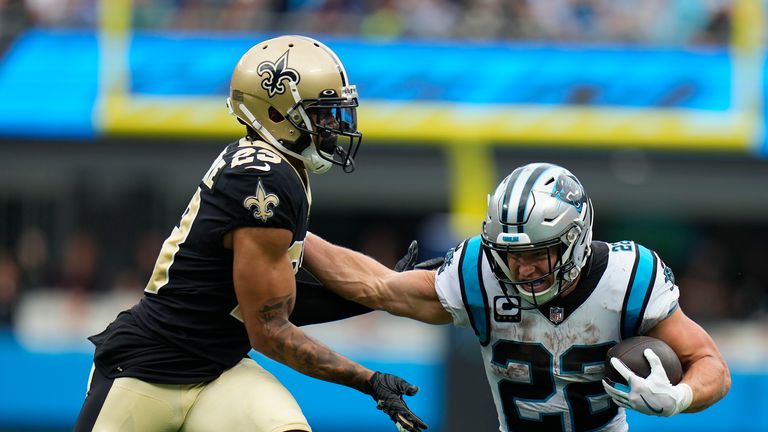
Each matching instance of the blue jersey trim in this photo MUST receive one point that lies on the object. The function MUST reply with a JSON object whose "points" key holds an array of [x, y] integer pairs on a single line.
{"points": [[473, 291], [638, 292]]}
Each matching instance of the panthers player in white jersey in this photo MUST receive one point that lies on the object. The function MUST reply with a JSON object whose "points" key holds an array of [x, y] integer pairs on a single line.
{"points": [[546, 303]]}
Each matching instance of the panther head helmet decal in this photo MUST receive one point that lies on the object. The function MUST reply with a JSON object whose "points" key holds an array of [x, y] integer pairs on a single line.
{"points": [[568, 190]]}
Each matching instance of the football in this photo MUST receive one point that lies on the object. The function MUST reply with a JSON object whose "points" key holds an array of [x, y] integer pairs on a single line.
{"points": [[630, 352]]}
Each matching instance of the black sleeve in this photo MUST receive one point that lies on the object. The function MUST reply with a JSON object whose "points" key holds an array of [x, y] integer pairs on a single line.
{"points": [[265, 199], [316, 304]]}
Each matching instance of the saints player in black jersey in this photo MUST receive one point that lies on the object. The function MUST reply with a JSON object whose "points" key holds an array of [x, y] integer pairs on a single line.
{"points": [[224, 281]]}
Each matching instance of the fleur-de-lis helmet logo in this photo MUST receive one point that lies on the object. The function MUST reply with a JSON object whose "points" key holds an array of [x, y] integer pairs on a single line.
{"points": [[277, 72], [261, 202]]}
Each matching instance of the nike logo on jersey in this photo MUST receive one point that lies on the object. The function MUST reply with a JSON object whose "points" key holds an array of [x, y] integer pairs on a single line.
{"points": [[655, 410], [264, 167]]}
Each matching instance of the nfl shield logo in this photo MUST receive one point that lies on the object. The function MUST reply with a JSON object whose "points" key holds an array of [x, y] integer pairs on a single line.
{"points": [[556, 314]]}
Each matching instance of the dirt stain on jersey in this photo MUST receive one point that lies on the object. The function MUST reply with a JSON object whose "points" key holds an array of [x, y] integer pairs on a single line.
{"points": [[561, 338], [514, 371], [526, 329], [591, 333]]}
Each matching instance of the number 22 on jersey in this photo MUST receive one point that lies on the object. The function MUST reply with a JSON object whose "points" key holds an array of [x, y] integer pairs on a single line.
{"points": [[536, 392]]}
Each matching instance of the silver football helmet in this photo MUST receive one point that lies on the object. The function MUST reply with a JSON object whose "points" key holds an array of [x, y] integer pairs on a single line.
{"points": [[294, 92], [539, 207]]}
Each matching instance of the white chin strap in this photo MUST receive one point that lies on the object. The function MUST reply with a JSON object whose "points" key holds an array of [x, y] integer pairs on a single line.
{"points": [[540, 297], [312, 161]]}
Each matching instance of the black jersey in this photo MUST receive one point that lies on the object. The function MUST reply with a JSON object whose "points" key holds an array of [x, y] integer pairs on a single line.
{"points": [[188, 327]]}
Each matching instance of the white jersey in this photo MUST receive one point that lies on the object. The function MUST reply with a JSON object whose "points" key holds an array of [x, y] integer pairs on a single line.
{"points": [[545, 365]]}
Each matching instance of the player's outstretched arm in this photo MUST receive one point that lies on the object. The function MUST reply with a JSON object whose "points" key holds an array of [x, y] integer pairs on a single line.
{"points": [[705, 370], [316, 304], [266, 292], [362, 279]]}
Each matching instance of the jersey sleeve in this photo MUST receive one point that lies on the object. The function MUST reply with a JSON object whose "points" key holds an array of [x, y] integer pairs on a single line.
{"points": [[650, 295], [253, 198], [448, 288], [664, 297]]}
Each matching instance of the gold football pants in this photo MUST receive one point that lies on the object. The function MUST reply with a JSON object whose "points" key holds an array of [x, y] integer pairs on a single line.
{"points": [[243, 398]]}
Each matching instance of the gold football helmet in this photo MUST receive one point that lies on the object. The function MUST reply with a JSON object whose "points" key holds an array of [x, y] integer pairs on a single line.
{"points": [[294, 93]]}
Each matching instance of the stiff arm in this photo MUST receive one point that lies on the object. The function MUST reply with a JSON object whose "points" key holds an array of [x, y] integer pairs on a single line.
{"points": [[364, 280], [266, 292]]}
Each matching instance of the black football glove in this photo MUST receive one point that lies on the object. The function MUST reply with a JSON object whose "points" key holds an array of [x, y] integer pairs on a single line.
{"points": [[408, 261], [388, 390]]}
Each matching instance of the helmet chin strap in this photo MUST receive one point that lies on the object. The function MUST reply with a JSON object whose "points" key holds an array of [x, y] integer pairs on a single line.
{"points": [[258, 127], [563, 277], [310, 155], [505, 269], [531, 297], [312, 161], [505, 290], [546, 295]]}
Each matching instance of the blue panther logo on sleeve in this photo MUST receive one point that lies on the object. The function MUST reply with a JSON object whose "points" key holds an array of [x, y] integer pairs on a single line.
{"points": [[668, 275], [568, 190], [447, 261]]}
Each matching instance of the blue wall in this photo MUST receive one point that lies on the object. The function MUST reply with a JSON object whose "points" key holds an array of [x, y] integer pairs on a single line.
{"points": [[742, 410], [46, 390], [49, 79], [42, 390], [498, 73], [48, 85]]}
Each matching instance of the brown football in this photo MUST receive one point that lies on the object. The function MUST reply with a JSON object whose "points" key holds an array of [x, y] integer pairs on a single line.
{"points": [[630, 352]]}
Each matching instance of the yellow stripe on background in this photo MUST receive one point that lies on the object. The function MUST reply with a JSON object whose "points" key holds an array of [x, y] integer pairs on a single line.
{"points": [[473, 176], [120, 113], [748, 26], [748, 34], [170, 116], [444, 124], [115, 17], [675, 129], [114, 34]]}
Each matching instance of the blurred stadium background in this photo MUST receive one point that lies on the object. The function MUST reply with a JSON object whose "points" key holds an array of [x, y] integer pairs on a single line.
{"points": [[111, 110]]}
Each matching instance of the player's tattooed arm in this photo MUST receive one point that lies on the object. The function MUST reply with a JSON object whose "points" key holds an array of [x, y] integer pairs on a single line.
{"points": [[291, 346], [266, 292]]}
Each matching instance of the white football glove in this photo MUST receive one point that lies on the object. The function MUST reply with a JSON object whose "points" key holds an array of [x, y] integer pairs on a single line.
{"points": [[654, 395]]}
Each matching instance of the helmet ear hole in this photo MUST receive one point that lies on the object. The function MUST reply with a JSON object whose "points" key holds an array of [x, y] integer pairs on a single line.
{"points": [[275, 115]]}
